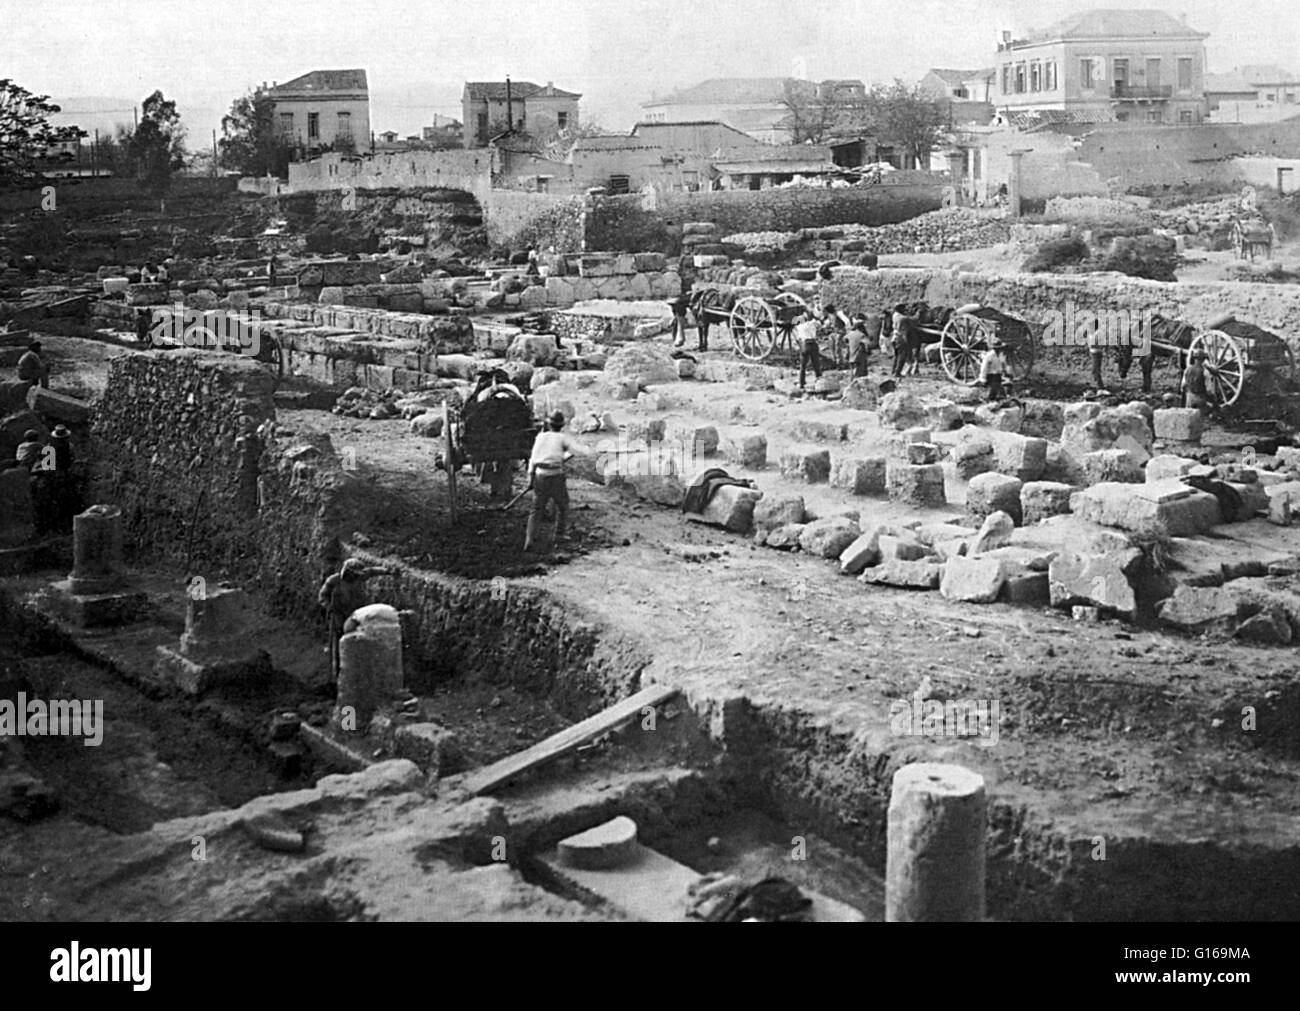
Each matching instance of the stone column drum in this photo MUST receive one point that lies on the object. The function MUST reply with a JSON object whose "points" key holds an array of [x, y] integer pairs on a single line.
{"points": [[97, 551], [934, 867], [370, 664]]}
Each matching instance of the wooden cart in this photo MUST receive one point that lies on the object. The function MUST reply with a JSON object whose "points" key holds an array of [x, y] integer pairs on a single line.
{"points": [[489, 433]]}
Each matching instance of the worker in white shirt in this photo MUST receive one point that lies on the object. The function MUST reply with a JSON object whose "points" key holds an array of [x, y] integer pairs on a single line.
{"points": [[546, 476], [805, 332], [991, 369]]}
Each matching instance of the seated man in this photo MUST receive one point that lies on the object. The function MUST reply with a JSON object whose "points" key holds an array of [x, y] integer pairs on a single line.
{"points": [[32, 368]]}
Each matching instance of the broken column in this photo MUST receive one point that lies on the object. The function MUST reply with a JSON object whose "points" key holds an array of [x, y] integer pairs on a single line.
{"points": [[370, 665], [97, 592], [215, 647], [934, 868]]}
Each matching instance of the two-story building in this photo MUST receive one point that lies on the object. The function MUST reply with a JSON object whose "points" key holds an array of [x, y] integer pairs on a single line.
{"points": [[323, 110], [493, 107], [1126, 65]]}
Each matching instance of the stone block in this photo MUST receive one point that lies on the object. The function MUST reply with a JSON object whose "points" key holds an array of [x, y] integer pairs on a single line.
{"points": [[779, 511], [1163, 508], [973, 454], [1167, 467], [1095, 580], [915, 485], [1031, 589], [859, 475], [919, 575], [990, 493], [1112, 465], [810, 464], [1023, 457], [646, 430], [995, 532], [96, 610], [902, 410], [972, 580], [900, 547], [861, 553], [783, 538], [860, 395], [1041, 499], [1000, 417], [745, 446], [942, 415], [146, 294], [827, 538], [732, 508], [922, 452], [1179, 424]]}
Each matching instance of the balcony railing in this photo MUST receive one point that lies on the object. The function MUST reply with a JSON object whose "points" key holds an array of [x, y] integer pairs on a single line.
{"points": [[1141, 92]]}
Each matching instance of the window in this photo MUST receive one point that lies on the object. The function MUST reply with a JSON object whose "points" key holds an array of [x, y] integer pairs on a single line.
{"points": [[1184, 73], [1119, 71], [313, 126], [1153, 72], [1153, 116], [1087, 73], [1270, 97], [1035, 76], [1121, 117], [1185, 117], [344, 130], [1290, 97], [619, 184], [1049, 73], [1020, 78], [562, 120], [286, 124], [1006, 79]]}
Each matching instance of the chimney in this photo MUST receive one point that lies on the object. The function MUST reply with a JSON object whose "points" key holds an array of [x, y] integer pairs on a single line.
{"points": [[550, 85]]}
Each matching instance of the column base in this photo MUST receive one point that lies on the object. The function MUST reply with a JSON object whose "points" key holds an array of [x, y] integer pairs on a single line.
{"points": [[96, 610]]}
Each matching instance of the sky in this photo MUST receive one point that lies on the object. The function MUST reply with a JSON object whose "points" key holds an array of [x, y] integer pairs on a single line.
{"points": [[206, 53]]}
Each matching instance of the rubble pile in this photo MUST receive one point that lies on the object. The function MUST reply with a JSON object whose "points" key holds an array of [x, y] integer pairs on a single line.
{"points": [[1209, 217], [359, 402]]}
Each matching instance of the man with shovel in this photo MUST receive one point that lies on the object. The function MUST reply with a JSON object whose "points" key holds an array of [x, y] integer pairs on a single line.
{"points": [[546, 476]]}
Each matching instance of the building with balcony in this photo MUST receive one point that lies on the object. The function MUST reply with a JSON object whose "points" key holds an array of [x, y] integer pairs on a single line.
{"points": [[1126, 65], [325, 110]]}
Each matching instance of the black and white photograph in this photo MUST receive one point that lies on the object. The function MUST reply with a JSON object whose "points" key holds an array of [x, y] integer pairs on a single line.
{"points": [[656, 462]]}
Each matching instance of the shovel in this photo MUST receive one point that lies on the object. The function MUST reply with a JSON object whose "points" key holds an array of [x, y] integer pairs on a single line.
{"points": [[518, 497]]}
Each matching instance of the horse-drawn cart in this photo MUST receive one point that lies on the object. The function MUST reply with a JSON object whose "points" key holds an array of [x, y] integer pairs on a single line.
{"points": [[490, 432], [1251, 235], [960, 337], [758, 324]]}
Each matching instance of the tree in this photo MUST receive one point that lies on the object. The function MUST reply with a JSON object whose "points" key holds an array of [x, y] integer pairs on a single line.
{"points": [[907, 117], [250, 142], [26, 133], [158, 145]]}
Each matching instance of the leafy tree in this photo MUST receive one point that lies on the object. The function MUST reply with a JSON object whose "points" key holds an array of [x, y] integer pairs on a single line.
{"points": [[26, 133], [250, 142], [158, 145], [907, 117]]}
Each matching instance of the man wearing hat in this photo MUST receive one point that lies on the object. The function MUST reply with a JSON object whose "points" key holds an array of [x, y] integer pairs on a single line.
{"points": [[340, 595], [546, 476], [991, 368], [31, 368], [1193, 387], [28, 453]]}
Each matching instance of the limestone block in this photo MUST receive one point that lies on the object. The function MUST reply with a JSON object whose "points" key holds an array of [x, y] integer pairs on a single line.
{"points": [[779, 511], [1166, 467], [1023, 457], [1041, 499], [995, 532], [973, 580], [859, 475], [534, 349], [1095, 580], [915, 485], [732, 508], [745, 446], [902, 410], [783, 538], [918, 575], [1179, 424], [973, 454], [1031, 589], [942, 415], [862, 552], [990, 493], [1112, 465], [900, 547], [1161, 508], [810, 464], [922, 452], [827, 538]]}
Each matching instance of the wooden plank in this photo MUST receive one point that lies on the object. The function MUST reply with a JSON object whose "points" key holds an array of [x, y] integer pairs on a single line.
{"points": [[499, 773]]}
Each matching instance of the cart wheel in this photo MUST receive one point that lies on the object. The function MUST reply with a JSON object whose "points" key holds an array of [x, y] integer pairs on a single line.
{"points": [[753, 328], [961, 345], [451, 458], [787, 302], [1021, 354], [1225, 366]]}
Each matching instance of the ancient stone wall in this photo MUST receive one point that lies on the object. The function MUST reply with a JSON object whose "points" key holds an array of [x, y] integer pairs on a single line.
{"points": [[517, 220], [1033, 297]]}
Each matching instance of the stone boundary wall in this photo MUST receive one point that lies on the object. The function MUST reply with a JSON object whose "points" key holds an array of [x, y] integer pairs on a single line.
{"points": [[468, 170], [543, 221], [1274, 307]]}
